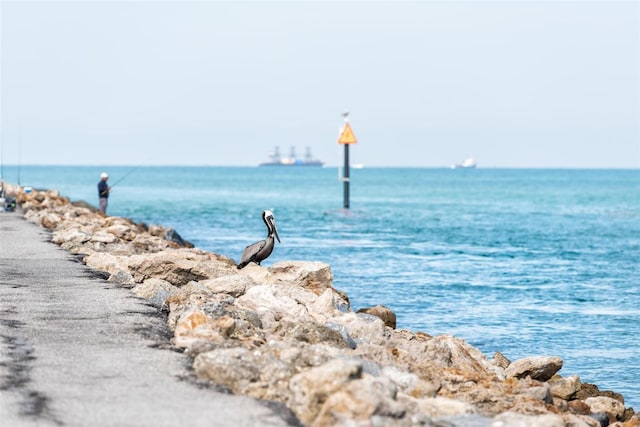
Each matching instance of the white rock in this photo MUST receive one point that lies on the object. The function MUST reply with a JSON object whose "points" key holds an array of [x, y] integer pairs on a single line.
{"points": [[539, 368], [605, 404]]}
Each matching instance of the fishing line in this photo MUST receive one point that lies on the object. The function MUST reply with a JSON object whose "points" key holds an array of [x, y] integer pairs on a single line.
{"points": [[124, 176]]}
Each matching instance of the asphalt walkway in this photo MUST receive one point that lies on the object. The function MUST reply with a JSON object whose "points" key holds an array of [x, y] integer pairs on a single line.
{"points": [[76, 350]]}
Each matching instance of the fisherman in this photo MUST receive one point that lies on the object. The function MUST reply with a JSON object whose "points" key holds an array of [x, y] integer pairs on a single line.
{"points": [[103, 192]]}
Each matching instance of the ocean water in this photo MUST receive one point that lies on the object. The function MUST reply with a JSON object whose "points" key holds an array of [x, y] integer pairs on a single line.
{"points": [[525, 262]]}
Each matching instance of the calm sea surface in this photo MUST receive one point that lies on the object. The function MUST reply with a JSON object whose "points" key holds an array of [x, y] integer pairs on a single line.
{"points": [[525, 262]]}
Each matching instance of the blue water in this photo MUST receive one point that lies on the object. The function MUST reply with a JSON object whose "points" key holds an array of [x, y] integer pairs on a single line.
{"points": [[525, 262]]}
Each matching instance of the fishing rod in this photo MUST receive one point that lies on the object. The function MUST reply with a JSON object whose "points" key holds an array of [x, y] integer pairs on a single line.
{"points": [[124, 176]]}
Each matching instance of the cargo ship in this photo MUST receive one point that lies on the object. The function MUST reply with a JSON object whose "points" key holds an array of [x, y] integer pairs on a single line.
{"points": [[275, 159]]}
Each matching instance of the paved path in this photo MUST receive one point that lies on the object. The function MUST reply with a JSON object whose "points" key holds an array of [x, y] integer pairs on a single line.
{"points": [[76, 350]]}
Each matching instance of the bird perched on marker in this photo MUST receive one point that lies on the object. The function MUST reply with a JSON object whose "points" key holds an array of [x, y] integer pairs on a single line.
{"points": [[261, 250]]}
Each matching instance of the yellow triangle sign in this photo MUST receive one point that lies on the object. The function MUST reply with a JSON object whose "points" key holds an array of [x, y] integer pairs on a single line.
{"points": [[347, 136]]}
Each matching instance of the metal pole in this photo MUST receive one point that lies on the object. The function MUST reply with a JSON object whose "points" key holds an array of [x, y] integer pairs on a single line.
{"points": [[346, 176]]}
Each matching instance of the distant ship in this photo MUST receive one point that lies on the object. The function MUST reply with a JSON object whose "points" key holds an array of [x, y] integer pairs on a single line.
{"points": [[276, 160], [466, 164]]}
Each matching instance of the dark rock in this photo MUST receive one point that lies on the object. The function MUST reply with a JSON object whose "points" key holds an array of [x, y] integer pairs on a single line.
{"points": [[602, 418], [383, 312], [579, 407], [587, 390], [172, 236]]}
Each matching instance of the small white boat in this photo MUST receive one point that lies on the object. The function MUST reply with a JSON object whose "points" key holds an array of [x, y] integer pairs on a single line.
{"points": [[466, 164]]}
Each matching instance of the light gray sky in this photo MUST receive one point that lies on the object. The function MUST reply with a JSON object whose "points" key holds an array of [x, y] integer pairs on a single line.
{"points": [[512, 84]]}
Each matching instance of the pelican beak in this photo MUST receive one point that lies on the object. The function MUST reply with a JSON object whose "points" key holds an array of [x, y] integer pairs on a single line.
{"points": [[275, 231], [270, 221]]}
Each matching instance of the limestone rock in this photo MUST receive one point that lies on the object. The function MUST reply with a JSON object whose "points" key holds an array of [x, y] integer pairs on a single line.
{"points": [[121, 231], [441, 406], [229, 367], [70, 235], [608, 405], [311, 389], [574, 420], [103, 237], [232, 284], [196, 325], [103, 261], [313, 276], [50, 220], [410, 383], [121, 277], [177, 266], [500, 360], [383, 312], [362, 327], [520, 420], [537, 367], [359, 401], [274, 303], [153, 288], [565, 388], [310, 332]]}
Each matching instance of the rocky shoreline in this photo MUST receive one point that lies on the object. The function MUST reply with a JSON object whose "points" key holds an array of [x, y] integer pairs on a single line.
{"points": [[285, 334]]}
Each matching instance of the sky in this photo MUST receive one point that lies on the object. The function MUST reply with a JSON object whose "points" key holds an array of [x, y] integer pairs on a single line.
{"points": [[427, 83]]}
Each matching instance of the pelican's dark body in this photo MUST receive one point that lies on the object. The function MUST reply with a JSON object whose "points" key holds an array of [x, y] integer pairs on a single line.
{"points": [[261, 250]]}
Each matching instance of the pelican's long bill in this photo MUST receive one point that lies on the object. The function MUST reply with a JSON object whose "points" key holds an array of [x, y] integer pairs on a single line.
{"points": [[271, 223]]}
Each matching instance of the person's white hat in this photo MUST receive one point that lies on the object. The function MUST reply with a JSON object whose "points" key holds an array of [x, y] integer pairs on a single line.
{"points": [[104, 175]]}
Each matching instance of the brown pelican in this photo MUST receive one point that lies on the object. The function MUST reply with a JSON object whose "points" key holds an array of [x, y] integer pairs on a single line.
{"points": [[261, 250]]}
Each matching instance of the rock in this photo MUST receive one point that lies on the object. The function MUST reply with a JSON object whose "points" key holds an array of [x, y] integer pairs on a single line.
{"points": [[601, 419], [410, 384], [70, 235], [362, 327], [578, 407], [611, 406], [264, 372], [232, 284], [172, 236], [587, 390], [176, 266], [500, 360], [565, 388], [537, 367], [542, 393], [312, 276], [310, 332], [441, 407], [275, 303], [520, 420], [572, 420], [103, 261], [104, 237], [121, 231], [359, 401], [630, 415], [344, 333], [195, 325], [155, 290], [121, 277], [228, 367], [50, 220], [384, 313], [561, 404], [311, 389]]}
